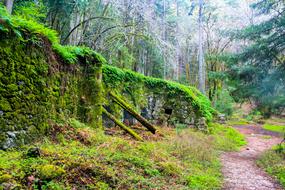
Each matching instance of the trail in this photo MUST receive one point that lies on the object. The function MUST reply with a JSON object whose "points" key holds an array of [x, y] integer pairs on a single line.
{"points": [[239, 168]]}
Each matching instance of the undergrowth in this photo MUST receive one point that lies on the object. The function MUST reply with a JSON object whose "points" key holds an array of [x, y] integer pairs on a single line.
{"points": [[273, 162], [75, 156]]}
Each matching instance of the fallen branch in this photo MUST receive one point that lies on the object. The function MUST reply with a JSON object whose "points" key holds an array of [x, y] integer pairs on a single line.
{"points": [[120, 124], [126, 107]]}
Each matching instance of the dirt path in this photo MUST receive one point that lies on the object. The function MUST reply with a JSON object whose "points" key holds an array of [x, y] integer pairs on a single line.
{"points": [[239, 168]]}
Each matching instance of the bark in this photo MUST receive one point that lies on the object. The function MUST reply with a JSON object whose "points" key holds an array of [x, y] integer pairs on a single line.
{"points": [[125, 106], [9, 5], [123, 126]]}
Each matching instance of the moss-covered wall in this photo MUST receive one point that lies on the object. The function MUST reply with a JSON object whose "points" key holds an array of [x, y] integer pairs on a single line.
{"points": [[40, 84], [152, 97], [43, 82]]}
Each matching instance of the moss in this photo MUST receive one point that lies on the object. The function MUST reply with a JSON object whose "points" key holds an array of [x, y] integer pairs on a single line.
{"points": [[48, 172], [43, 81], [5, 178], [5, 105], [125, 80]]}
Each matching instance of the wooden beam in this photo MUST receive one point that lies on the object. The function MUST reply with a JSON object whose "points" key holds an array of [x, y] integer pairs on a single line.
{"points": [[131, 111], [123, 126]]}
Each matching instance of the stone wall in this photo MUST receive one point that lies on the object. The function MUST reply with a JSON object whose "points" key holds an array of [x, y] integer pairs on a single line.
{"points": [[160, 101], [38, 87]]}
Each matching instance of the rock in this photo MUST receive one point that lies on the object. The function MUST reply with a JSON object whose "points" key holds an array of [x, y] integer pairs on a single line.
{"points": [[34, 152], [222, 118], [202, 124], [9, 143], [11, 134], [13, 138]]}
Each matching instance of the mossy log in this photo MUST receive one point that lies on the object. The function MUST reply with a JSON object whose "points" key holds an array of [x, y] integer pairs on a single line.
{"points": [[123, 126], [128, 108]]}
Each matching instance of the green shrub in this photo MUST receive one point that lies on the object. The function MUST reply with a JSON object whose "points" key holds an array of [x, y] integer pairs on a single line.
{"points": [[254, 115]]}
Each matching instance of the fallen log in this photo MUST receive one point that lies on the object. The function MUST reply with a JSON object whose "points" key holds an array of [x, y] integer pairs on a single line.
{"points": [[125, 106], [120, 124]]}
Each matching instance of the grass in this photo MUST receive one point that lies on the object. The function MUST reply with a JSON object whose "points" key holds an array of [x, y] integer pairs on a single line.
{"points": [[274, 128], [273, 162], [238, 122], [83, 158]]}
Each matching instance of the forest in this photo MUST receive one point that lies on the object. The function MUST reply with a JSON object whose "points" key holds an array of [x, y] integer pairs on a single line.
{"points": [[142, 94]]}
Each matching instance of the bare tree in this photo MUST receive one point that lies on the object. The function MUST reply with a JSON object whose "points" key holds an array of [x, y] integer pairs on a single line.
{"points": [[202, 68]]}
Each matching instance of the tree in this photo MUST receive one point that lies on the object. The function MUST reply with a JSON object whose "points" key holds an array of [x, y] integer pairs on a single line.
{"points": [[260, 70], [9, 5], [202, 71]]}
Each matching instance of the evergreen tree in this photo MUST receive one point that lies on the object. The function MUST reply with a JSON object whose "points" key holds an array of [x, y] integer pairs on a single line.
{"points": [[260, 72]]}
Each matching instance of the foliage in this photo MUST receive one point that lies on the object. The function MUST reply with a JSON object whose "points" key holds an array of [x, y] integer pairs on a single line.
{"points": [[113, 162], [224, 103], [30, 10], [259, 70], [34, 31]]}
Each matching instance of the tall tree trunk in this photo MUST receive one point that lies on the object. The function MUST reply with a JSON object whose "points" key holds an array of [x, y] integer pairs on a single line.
{"points": [[9, 5], [164, 38], [178, 53], [202, 72]]}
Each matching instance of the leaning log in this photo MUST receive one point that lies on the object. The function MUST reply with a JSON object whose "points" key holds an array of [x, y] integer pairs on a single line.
{"points": [[128, 108], [120, 124]]}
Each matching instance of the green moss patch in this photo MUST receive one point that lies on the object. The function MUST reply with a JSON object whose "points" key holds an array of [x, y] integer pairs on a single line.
{"points": [[274, 128]]}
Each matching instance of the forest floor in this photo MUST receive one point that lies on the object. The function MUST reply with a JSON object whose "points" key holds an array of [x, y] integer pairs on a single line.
{"points": [[240, 169]]}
